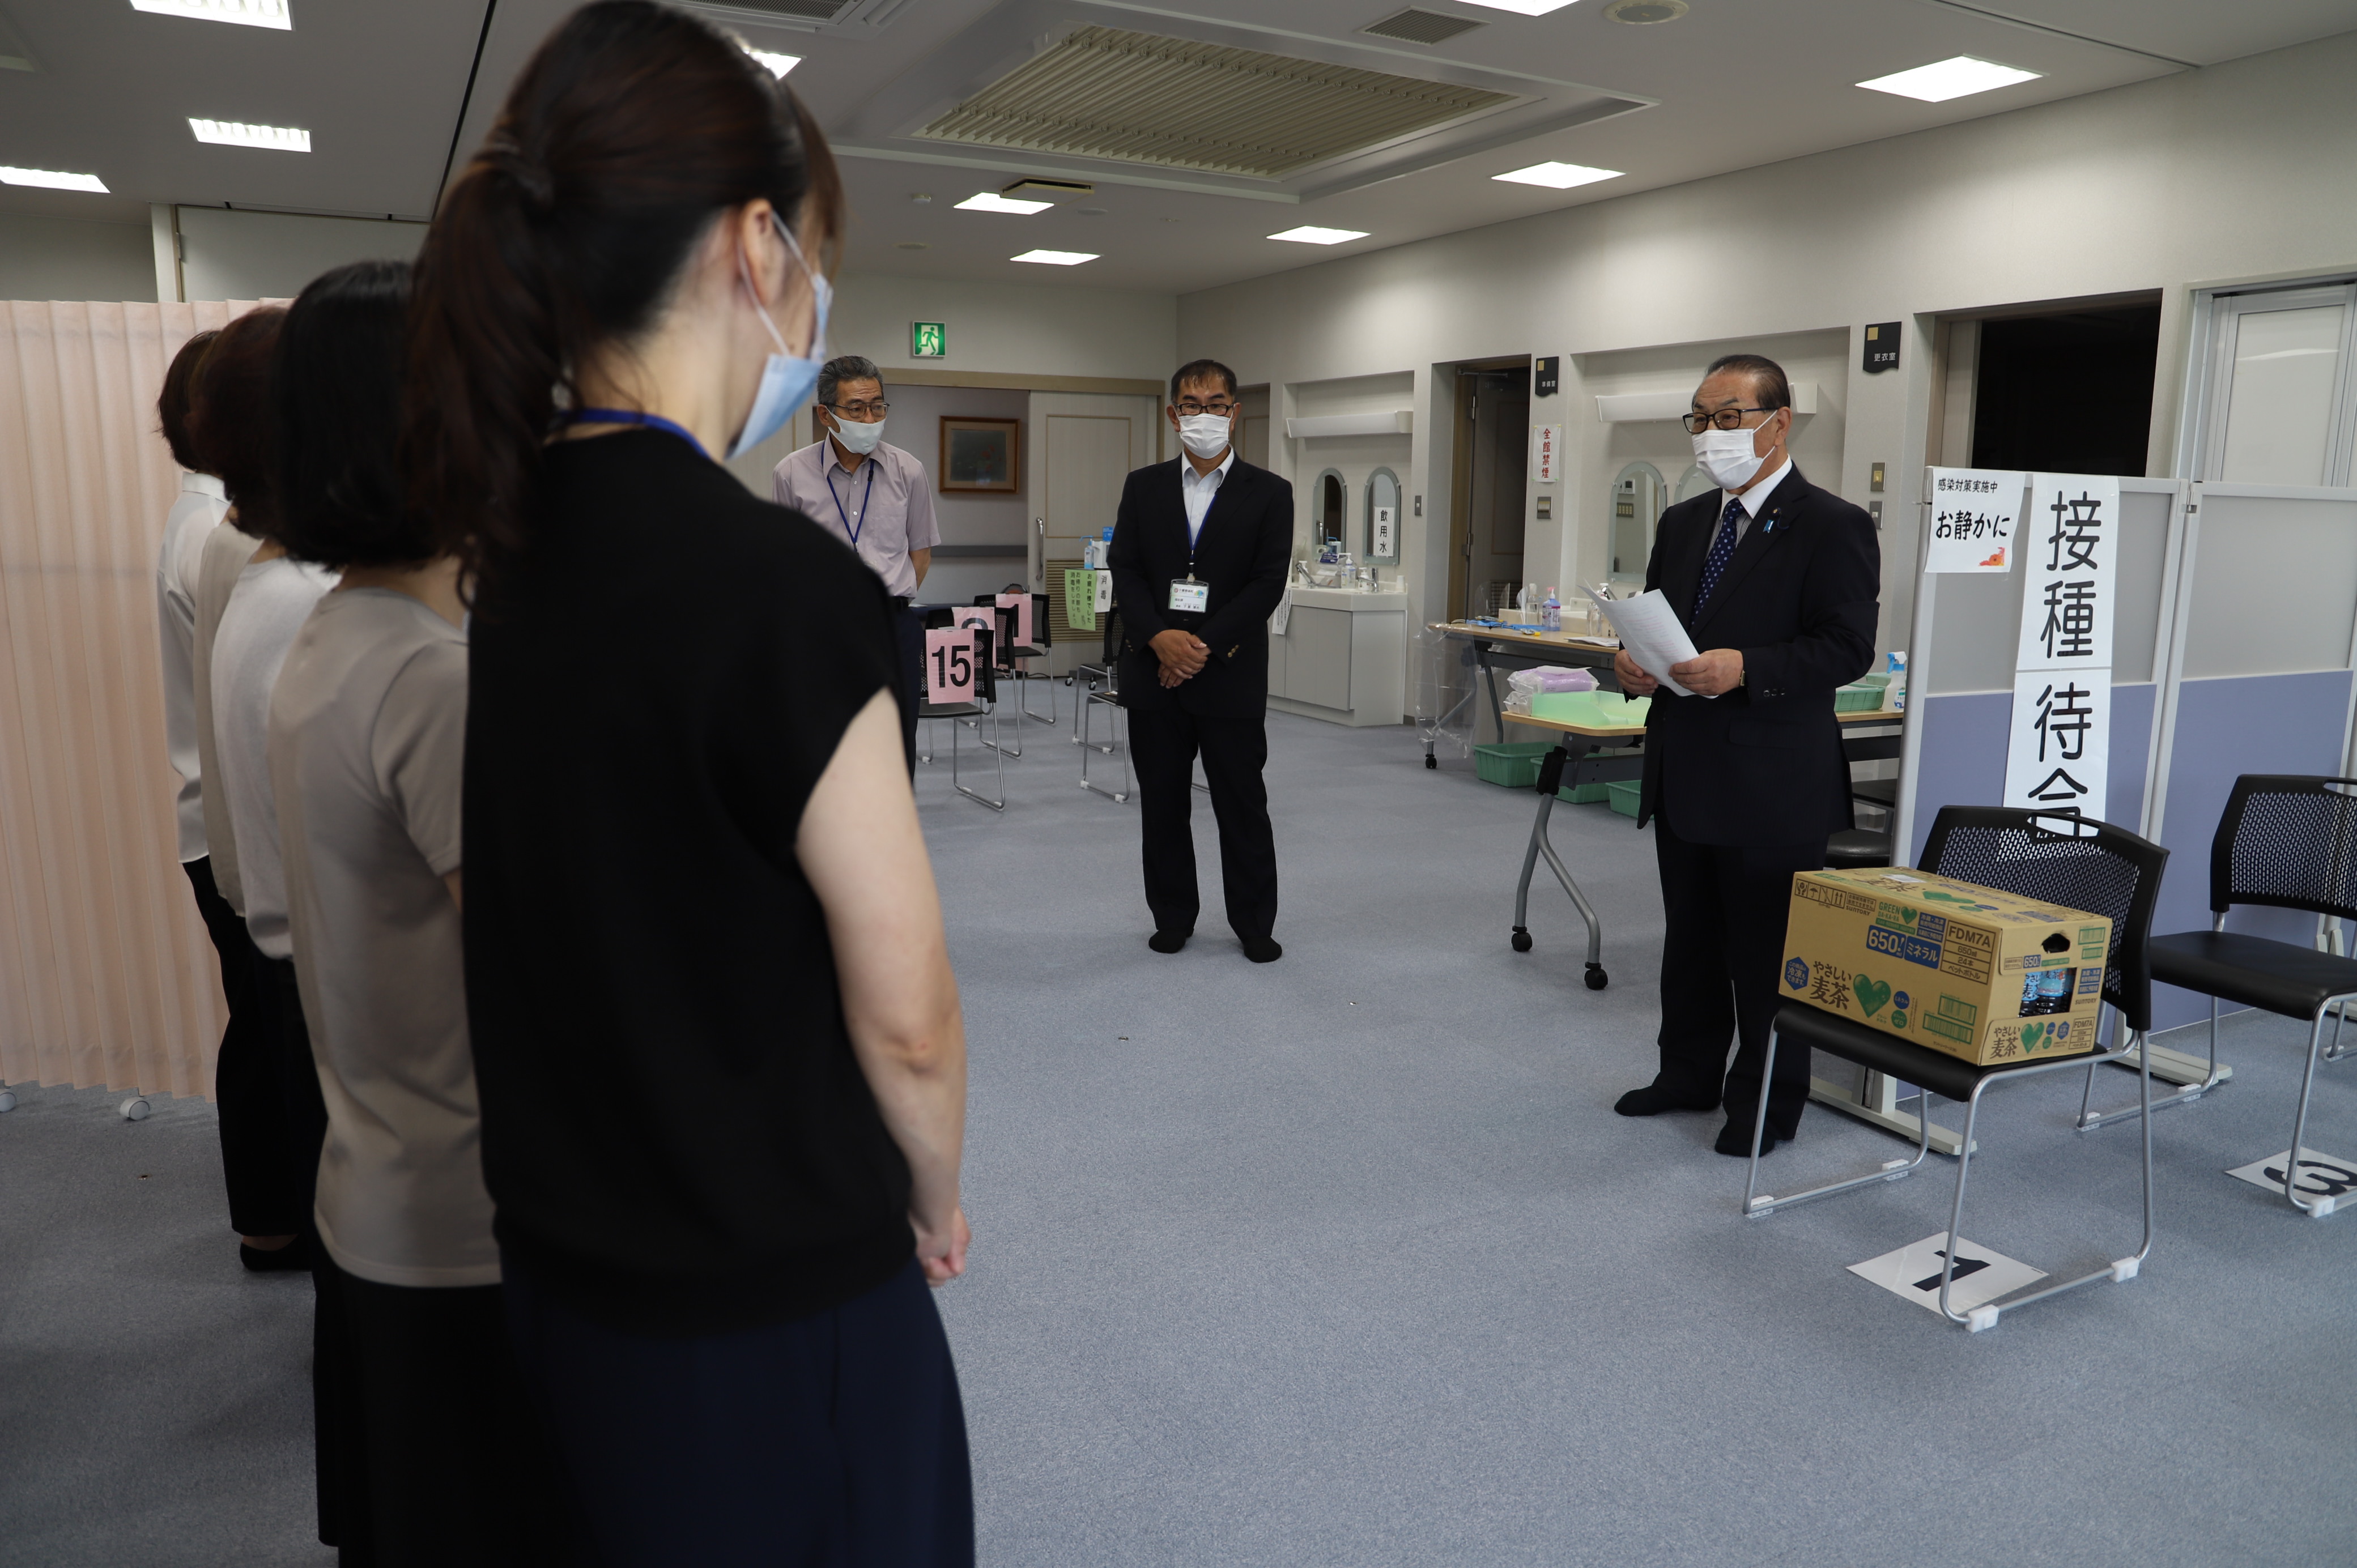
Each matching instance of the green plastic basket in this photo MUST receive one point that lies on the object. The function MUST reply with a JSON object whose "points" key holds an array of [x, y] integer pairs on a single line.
{"points": [[1626, 794], [1513, 762], [1857, 697]]}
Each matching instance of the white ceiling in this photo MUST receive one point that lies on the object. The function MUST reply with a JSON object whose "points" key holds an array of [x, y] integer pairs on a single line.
{"points": [[1734, 84]]}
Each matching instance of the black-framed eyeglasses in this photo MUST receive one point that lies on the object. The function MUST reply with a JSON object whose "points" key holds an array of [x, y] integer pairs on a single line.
{"points": [[1191, 407], [1724, 419], [863, 412]]}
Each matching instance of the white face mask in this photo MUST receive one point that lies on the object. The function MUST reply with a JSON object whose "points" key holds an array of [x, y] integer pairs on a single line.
{"points": [[858, 438], [1204, 435], [1726, 458]]}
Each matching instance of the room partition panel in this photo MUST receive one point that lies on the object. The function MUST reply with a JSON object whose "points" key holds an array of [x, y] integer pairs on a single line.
{"points": [[2259, 681]]}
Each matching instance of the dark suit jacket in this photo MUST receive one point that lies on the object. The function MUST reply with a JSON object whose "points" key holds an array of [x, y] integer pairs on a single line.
{"points": [[1763, 763], [1243, 552]]}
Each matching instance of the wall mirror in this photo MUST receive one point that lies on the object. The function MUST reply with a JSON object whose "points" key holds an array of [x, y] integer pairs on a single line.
{"points": [[1638, 498], [1329, 510]]}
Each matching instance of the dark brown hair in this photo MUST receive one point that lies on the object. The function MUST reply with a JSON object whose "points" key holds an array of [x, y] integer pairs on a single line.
{"points": [[172, 405], [632, 129], [1770, 387], [336, 396], [228, 415]]}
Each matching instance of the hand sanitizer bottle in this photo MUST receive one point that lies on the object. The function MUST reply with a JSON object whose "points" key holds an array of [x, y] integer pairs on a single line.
{"points": [[1552, 615]]}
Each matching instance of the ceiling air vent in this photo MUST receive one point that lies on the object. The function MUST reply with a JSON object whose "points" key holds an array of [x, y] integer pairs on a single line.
{"points": [[1138, 98], [798, 10], [1414, 27]]}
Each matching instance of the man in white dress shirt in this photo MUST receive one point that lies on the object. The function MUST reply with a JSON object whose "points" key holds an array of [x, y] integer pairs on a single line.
{"points": [[873, 497]]}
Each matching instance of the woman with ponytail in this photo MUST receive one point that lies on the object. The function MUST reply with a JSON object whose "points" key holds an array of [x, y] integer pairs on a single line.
{"points": [[716, 1040]]}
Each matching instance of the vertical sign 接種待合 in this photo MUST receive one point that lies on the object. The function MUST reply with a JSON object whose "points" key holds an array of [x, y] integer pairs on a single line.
{"points": [[2058, 747], [1976, 513]]}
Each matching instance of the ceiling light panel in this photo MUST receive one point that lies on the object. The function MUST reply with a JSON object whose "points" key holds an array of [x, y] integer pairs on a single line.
{"points": [[1957, 78], [991, 201], [1139, 97], [1310, 234], [1558, 176], [51, 179], [229, 133], [1415, 27], [246, 12], [1056, 258], [1523, 7], [777, 64]]}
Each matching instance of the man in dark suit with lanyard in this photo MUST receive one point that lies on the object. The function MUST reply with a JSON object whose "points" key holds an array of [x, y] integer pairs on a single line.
{"points": [[1199, 557], [1745, 780]]}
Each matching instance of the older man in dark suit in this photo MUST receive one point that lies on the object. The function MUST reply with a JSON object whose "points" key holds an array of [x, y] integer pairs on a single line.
{"points": [[1199, 557], [1745, 780]]}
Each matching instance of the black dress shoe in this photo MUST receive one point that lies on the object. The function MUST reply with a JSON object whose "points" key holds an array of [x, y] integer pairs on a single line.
{"points": [[271, 1260], [1652, 1100], [1167, 941], [1262, 949], [1735, 1138]]}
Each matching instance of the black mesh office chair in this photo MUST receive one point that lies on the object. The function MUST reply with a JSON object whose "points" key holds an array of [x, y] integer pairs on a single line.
{"points": [[2077, 863], [2286, 842], [1098, 685], [972, 710]]}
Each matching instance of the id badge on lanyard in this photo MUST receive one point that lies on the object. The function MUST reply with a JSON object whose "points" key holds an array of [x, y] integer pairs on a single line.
{"points": [[1187, 594]]}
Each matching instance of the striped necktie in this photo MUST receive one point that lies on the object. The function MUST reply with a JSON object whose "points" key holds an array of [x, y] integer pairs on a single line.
{"points": [[1722, 549]]}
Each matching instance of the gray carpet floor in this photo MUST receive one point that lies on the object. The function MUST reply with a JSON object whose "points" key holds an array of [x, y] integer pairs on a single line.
{"points": [[1345, 1260]]}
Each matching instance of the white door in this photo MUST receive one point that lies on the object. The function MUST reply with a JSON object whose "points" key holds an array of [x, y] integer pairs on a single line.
{"points": [[2280, 410], [1083, 447]]}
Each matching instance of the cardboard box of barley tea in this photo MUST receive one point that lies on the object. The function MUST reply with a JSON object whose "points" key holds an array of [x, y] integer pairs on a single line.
{"points": [[1977, 973]]}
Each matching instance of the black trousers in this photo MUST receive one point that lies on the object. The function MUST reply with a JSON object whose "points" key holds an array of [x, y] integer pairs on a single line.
{"points": [[834, 1440], [439, 1459], [1163, 745], [1721, 949], [258, 1161]]}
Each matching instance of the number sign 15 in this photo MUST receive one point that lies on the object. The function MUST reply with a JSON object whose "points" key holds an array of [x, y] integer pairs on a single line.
{"points": [[950, 664]]}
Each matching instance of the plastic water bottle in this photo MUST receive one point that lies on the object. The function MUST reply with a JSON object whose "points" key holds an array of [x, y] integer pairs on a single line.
{"points": [[1551, 616]]}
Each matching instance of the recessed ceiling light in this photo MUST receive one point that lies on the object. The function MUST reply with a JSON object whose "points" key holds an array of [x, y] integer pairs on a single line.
{"points": [[1559, 177], [1056, 258], [1957, 78], [229, 133], [1523, 7], [775, 64], [991, 201], [914, 246], [50, 179], [1645, 13], [249, 13], [1310, 234]]}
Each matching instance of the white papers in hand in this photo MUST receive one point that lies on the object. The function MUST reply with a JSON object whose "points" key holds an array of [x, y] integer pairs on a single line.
{"points": [[1650, 634]]}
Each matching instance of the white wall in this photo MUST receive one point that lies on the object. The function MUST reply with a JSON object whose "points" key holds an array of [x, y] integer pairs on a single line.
{"points": [[2243, 171], [1063, 328], [231, 254], [72, 259]]}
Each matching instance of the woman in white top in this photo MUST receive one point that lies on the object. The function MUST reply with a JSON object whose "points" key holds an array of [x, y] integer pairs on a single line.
{"points": [[253, 1164], [367, 742]]}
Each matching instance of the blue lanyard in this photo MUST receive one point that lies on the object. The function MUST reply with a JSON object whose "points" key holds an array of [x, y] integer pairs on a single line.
{"points": [[865, 497], [633, 416]]}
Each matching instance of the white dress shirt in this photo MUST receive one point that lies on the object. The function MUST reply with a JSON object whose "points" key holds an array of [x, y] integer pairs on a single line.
{"points": [[200, 505], [1199, 490], [1753, 499]]}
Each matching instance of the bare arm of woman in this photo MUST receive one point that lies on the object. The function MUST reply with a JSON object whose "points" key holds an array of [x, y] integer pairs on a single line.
{"points": [[864, 855]]}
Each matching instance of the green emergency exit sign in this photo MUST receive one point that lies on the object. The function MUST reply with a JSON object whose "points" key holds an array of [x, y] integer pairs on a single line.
{"points": [[929, 339]]}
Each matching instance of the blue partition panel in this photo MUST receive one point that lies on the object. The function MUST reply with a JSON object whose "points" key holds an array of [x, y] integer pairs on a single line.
{"points": [[2226, 727], [1963, 759]]}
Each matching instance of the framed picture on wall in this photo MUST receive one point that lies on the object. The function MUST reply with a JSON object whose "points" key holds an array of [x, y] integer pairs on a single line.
{"points": [[980, 456]]}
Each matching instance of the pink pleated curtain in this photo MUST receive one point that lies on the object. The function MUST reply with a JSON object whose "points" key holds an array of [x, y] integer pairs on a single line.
{"points": [[106, 977]]}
